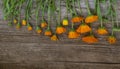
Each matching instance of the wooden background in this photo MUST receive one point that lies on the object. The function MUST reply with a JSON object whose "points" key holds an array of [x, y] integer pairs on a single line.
{"points": [[21, 49]]}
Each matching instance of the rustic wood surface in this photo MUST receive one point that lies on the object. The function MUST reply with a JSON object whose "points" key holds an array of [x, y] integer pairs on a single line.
{"points": [[22, 49]]}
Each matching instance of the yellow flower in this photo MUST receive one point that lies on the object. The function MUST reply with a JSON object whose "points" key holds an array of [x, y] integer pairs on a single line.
{"points": [[112, 39], [91, 19], [90, 39], [43, 24], [29, 27], [54, 37], [65, 22], [102, 31], [38, 30], [24, 22], [48, 32], [73, 34], [60, 29], [83, 28], [15, 21]]}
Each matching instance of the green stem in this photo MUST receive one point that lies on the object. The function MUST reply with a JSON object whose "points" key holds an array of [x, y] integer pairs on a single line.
{"points": [[38, 5], [55, 19], [79, 6], [72, 26], [43, 9], [27, 17], [59, 14], [112, 25], [95, 5], [20, 13], [37, 15], [99, 13], [111, 14], [88, 9], [67, 8], [74, 7], [26, 12], [43, 14], [71, 12], [49, 16], [115, 11]]}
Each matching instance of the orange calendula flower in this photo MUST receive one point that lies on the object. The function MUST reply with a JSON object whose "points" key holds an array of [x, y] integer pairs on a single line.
{"points": [[43, 24], [18, 26], [24, 22], [60, 29], [73, 34], [112, 39], [54, 37], [90, 39], [15, 21], [83, 28], [91, 19], [76, 19], [102, 31], [29, 27], [38, 30], [65, 22], [48, 32]]}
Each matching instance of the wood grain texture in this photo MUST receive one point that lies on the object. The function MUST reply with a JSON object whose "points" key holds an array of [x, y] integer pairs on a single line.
{"points": [[34, 52], [58, 65], [22, 49]]}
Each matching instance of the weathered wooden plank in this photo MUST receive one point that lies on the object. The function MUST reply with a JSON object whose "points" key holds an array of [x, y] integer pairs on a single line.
{"points": [[14, 52], [22, 49], [59, 65]]}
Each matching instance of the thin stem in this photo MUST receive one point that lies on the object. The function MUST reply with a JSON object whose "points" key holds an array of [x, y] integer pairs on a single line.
{"points": [[115, 7], [43, 14], [95, 5], [27, 18], [74, 7], [59, 14], [67, 14], [37, 15], [99, 13], [48, 19], [28, 9], [26, 12], [79, 6], [111, 14], [43, 8], [49, 11], [67, 8], [20, 13], [88, 9], [71, 12], [112, 25], [55, 19]]}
